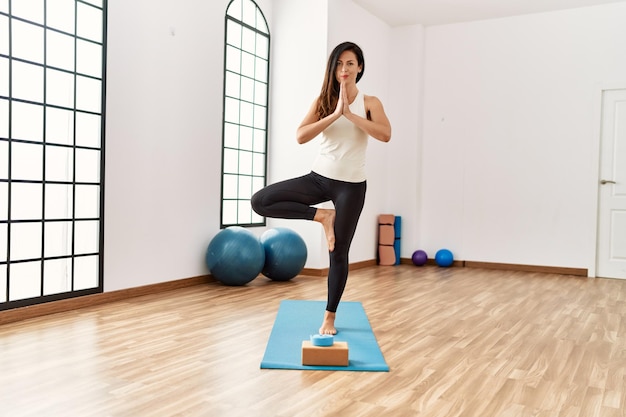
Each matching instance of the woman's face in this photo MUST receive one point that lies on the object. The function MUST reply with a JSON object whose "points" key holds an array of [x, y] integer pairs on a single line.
{"points": [[347, 67]]}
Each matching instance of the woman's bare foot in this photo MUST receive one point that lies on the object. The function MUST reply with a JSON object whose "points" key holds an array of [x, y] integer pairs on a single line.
{"points": [[327, 218], [328, 325]]}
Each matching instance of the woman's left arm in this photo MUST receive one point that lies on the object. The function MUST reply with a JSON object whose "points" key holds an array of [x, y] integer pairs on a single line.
{"points": [[376, 124]]}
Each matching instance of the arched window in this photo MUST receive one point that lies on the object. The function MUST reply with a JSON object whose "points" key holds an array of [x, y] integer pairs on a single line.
{"points": [[52, 75], [244, 133]]}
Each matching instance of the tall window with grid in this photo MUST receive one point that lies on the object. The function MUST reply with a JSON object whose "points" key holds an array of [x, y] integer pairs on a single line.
{"points": [[246, 85], [52, 83]]}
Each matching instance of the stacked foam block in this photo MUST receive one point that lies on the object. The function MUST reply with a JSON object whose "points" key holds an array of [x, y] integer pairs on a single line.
{"points": [[389, 227]]}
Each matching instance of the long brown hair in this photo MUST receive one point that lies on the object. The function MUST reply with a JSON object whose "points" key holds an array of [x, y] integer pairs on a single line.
{"points": [[329, 95]]}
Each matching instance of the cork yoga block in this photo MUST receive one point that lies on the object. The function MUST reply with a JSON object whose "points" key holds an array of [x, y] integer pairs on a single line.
{"points": [[334, 355]]}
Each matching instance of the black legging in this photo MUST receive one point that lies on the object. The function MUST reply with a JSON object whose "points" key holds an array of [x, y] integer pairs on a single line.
{"points": [[292, 199]]}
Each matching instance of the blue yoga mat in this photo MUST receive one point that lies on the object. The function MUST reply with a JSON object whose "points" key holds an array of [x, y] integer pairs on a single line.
{"points": [[297, 320]]}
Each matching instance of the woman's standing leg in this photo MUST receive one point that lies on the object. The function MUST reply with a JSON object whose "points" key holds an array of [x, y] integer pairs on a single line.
{"points": [[348, 199]]}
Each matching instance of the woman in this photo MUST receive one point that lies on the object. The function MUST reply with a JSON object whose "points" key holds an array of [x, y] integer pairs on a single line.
{"points": [[345, 117]]}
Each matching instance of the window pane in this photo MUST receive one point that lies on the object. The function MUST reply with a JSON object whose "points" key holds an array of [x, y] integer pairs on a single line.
{"points": [[247, 89], [89, 58], [245, 163], [233, 59], [244, 214], [89, 22], [232, 84], [25, 280], [249, 13], [257, 184], [88, 129], [3, 242], [26, 202], [28, 9], [59, 126], [260, 93], [230, 186], [61, 16], [259, 140], [86, 272], [234, 9], [247, 64], [231, 110], [262, 46], [246, 115], [260, 22], [88, 94], [87, 165], [4, 118], [86, 237], [59, 164], [255, 218], [57, 276], [4, 6], [248, 40], [233, 33], [229, 212], [4, 35], [245, 141], [3, 278], [231, 135], [4, 78], [87, 201], [58, 239], [58, 201], [27, 42], [258, 164], [261, 70], [260, 117], [4, 160], [59, 88], [245, 187], [27, 121], [27, 81], [25, 242], [60, 50], [26, 161], [4, 201], [231, 161]]}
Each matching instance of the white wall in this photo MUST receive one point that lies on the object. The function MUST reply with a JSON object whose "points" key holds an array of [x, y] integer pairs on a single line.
{"points": [[510, 142], [163, 138], [404, 154]]}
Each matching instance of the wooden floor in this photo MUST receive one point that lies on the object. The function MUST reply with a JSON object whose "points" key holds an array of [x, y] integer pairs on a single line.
{"points": [[459, 342]]}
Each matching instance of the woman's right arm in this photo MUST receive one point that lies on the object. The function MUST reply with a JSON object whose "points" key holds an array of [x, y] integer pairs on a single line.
{"points": [[311, 126]]}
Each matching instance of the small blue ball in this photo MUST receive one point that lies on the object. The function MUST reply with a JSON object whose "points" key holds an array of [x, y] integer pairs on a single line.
{"points": [[444, 258]]}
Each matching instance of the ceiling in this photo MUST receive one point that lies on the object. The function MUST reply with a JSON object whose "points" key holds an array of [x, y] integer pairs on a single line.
{"points": [[437, 12]]}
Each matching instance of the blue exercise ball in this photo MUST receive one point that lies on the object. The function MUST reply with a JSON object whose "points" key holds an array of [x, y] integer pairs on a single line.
{"points": [[235, 256], [285, 253], [444, 257], [419, 258]]}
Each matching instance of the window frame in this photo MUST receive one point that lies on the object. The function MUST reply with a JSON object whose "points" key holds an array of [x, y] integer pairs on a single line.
{"points": [[245, 172], [82, 176]]}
